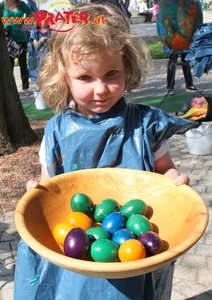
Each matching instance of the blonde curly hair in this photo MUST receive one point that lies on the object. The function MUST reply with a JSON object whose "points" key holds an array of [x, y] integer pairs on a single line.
{"points": [[84, 40]]}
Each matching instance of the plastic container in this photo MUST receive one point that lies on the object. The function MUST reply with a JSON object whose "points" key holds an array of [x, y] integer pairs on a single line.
{"points": [[199, 140], [39, 101]]}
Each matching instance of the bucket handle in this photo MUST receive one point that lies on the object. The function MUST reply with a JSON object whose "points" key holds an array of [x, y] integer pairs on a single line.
{"points": [[195, 131]]}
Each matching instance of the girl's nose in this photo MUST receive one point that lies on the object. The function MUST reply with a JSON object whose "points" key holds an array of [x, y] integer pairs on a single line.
{"points": [[100, 87]]}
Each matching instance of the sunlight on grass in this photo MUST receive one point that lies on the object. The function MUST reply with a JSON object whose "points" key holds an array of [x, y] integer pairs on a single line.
{"points": [[156, 50]]}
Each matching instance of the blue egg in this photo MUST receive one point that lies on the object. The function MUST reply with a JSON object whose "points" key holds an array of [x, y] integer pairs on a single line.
{"points": [[114, 222], [122, 235]]}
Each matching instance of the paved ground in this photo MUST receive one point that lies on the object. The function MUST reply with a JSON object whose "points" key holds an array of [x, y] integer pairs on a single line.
{"points": [[193, 271]]}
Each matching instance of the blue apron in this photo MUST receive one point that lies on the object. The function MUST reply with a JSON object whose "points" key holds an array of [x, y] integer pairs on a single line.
{"points": [[127, 136]]}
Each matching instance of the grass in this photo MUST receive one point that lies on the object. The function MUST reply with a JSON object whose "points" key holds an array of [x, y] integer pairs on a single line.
{"points": [[16, 64], [171, 104], [156, 50], [33, 113]]}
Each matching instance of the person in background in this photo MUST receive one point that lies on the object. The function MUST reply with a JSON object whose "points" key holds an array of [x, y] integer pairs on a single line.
{"points": [[83, 77], [32, 5], [145, 11], [38, 39], [17, 8], [155, 7], [133, 6], [171, 70]]}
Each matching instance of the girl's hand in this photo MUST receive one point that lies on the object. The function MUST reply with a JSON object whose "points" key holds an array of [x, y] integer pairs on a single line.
{"points": [[43, 39], [31, 184], [181, 179]]}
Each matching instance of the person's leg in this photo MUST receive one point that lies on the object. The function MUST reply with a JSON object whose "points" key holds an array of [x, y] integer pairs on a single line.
{"points": [[12, 61], [23, 67], [186, 71], [146, 14], [149, 18], [171, 71]]}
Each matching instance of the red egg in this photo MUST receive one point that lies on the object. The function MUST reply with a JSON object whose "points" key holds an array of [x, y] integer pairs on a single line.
{"points": [[151, 241]]}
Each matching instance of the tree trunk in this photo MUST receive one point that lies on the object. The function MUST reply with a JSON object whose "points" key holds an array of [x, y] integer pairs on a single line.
{"points": [[15, 130]]}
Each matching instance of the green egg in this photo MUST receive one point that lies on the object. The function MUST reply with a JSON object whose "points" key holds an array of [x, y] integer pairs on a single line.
{"points": [[104, 208], [82, 203], [98, 233], [104, 251], [135, 206], [138, 224]]}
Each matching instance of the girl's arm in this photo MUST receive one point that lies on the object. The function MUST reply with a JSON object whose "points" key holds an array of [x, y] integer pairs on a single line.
{"points": [[38, 44], [165, 166]]}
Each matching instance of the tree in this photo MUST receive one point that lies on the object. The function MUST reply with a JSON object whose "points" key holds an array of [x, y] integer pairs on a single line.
{"points": [[15, 130]]}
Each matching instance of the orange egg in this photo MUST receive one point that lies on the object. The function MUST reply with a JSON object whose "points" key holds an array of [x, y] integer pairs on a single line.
{"points": [[79, 219], [60, 231], [131, 250]]}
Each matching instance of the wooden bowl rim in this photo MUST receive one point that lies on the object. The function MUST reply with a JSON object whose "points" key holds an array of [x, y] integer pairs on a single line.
{"points": [[108, 270]]}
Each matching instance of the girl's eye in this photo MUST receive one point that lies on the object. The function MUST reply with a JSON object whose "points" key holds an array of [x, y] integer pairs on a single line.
{"points": [[111, 73], [84, 77]]}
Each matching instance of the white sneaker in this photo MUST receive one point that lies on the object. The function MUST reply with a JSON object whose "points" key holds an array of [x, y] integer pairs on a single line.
{"points": [[171, 92]]}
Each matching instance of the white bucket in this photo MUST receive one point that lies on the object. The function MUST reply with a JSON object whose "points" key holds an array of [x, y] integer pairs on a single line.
{"points": [[39, 102], [199, 140]]}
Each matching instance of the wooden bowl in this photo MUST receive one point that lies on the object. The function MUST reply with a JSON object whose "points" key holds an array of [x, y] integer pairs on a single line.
{"points": [[177, 212]]}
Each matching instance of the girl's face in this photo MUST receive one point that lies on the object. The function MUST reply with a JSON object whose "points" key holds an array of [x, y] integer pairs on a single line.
{"points": [[97, 82]]}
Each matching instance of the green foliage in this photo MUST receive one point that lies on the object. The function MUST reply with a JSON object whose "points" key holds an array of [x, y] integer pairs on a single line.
{"points": [[16, 64], [156, 50]]}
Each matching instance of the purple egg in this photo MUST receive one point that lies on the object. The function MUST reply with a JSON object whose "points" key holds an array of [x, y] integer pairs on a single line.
{"points": [[76, 243], [151, 241]]}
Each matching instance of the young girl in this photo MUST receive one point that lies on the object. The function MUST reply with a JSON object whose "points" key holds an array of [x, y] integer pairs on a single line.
{"points": [[38, 38], [84, 75]]}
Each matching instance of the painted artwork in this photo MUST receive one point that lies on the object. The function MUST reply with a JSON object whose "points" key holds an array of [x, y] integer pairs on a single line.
{"points": [[177, 22]]}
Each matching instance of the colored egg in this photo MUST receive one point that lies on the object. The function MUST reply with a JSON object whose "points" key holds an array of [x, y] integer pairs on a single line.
{"points": [[98, 233], [138, 224], [131, 250], [76, 243], [104, 251], [151, 241], [81, 202], [60, 231], [135, 206], [114, 222], [104, 208], [122, 235], [79, 219]]}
